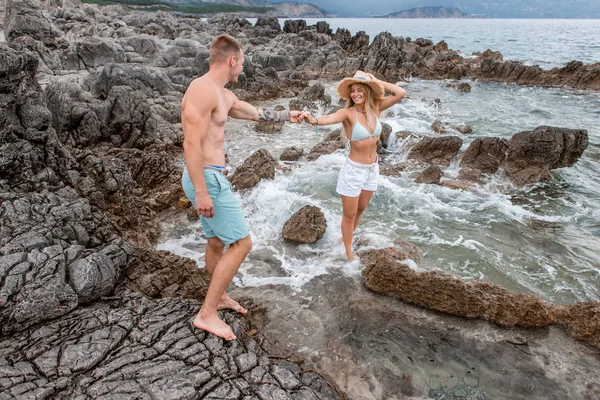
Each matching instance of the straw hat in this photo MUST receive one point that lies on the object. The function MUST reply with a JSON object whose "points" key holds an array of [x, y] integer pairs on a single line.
{"points": [[343, 88]]}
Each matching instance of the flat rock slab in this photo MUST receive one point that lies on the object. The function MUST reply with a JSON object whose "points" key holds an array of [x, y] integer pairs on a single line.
{"points": [[134, 347]]}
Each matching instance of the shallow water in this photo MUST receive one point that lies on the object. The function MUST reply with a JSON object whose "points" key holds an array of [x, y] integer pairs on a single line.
{"points": [[540, 239]]}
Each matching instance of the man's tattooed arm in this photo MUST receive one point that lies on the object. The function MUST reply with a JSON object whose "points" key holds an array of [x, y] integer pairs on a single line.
{"points": [[270, 115]]}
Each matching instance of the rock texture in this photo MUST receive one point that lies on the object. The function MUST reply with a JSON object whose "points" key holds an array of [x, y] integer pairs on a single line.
{"points": [[306, 225], [260, 165], [88, 309], [532, 154], [436, 290]]}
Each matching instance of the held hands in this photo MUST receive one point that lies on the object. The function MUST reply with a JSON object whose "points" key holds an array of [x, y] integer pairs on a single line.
{"points": [[295, 117], [307, 117], [204, 206]]}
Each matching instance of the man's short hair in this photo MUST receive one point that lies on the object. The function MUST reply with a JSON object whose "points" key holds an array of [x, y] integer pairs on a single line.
{"points": [[222, 47]]}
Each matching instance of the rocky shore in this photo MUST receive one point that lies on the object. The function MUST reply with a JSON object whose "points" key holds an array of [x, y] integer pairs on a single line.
{"points": [[90, 150]]}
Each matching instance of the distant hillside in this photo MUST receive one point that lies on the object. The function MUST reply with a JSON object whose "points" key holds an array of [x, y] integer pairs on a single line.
{"points": [[279, 9], [245, 8], [429, 12]]}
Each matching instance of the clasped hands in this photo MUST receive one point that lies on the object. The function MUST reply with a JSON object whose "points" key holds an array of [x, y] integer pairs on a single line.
{"points": [[298, 117]]}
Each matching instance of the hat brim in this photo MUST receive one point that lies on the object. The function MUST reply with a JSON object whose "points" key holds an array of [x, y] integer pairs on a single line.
{"points": [[343, 88]]}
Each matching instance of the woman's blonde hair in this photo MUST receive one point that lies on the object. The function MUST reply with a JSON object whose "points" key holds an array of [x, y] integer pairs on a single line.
{"points": [[369, 104]]}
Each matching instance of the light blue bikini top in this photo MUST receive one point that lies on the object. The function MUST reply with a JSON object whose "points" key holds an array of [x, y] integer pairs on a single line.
{"points": [[360, 132]]}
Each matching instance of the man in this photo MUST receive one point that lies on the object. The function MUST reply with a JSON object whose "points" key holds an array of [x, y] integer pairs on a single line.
{"points": [[204, 111]]}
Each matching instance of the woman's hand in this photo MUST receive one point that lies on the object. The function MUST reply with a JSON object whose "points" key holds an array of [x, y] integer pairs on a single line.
{"points": [[373, 77], [307, 117]]}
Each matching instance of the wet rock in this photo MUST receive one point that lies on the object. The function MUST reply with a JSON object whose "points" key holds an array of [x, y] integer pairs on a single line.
{"points": [[384, 138], [306, 225], [469, 174], [439, 291], [438, 127], [464, 87], [293, 153], [391, 170], [456, 184], [260, 165], [582, 320], [436, 150], [331, 143], [403, 249], [532, 154], [431, 175], [269, 127], [309, 98], [485, 154], [464, 129]]}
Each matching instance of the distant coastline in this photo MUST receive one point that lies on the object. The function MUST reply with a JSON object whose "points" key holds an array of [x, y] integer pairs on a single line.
{"points": [[430, 12]]}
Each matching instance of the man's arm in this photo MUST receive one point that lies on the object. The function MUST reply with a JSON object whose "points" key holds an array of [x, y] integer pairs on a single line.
{"points": [[196, 114], [242, 110]]}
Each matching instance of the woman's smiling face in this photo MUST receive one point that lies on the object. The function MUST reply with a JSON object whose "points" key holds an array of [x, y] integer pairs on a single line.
{"points": [[358, 93]]}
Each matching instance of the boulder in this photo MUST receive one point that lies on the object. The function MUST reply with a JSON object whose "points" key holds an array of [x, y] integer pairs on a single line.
{"points": [[260, 165], [307, 225], [291, 154], [485, 154], [531, 155], [436, 150]]}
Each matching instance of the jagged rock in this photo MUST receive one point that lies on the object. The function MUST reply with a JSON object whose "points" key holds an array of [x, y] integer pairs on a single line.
{"points": [[307, 225], [26, 18], [439, 291], [260, 165], [294, 26], [436, 150], [485, 154], [291, 154], [331, 143], [431, 175], [532, 154]]}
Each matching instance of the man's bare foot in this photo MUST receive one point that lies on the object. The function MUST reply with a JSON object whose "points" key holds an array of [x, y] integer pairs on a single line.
{"points": [[350, 256], [229, 303], [341, 239], [214, 325]]}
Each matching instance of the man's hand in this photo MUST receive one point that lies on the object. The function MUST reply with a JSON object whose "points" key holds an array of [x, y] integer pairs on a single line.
{"points": [[204, 206], [295, 117]]}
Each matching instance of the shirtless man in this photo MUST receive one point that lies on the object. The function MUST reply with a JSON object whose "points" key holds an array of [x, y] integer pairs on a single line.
{"points": [[204, 111]]}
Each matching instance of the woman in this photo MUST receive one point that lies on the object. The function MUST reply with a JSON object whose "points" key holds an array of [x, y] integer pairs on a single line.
{"points": [[357, 180]]}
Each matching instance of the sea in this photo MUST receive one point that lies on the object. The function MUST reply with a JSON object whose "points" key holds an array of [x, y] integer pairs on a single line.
{"points": [[542, 239]]}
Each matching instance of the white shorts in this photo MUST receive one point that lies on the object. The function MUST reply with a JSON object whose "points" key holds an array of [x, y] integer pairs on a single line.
{"points": [[355, 177]]}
